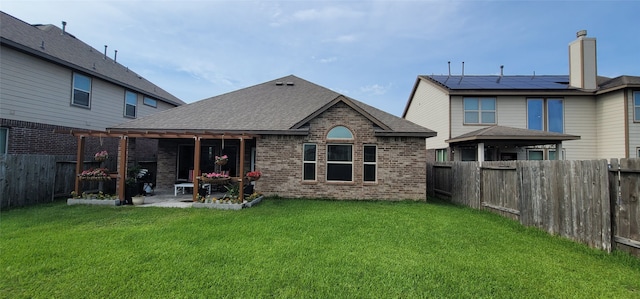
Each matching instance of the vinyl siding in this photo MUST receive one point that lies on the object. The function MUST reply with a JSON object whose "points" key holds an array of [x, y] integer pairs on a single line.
{"points": [[634, 129], [34, 90], [510, 112], [580, 119], [430, 108], [610, 128]]}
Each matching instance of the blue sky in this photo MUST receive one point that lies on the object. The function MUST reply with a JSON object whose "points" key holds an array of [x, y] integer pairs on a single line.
{"points": [[368, 50]]}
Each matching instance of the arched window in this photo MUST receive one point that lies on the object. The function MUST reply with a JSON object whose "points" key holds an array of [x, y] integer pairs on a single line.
{"points": [[340, 155], [340, 132]]}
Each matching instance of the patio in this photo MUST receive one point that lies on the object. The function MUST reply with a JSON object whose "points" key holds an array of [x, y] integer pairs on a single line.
{"points": [[169, 200]]}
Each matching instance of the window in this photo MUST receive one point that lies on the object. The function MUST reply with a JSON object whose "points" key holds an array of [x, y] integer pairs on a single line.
{"points": [[537, 155], [535, 119], [4, 140], [340, 162], [468, 154], [545, 114], [150, 102], [552, 154], [479, 110], [370, 159], [638, 152], [636, 106], [130, 104], [309, 162], [339, 132], [81, 90], [441, 155]]}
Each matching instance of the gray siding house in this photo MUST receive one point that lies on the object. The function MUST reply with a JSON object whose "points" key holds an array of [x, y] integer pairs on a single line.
{"points": [[307, 140], [52, 82]]}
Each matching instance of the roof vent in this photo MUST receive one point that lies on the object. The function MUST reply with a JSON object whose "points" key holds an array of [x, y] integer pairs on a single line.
{"points": [[279, 83], [64, 27], [581, 33], [289, 83]]}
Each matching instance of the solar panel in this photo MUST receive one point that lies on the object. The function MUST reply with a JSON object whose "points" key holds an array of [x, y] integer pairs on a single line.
{"points": [[503, 82]]}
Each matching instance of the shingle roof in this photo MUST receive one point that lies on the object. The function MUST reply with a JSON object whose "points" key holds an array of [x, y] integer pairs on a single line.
{"points": [[48, 42], [494, 82], [279, 106], [511, 134], [607, 84]]}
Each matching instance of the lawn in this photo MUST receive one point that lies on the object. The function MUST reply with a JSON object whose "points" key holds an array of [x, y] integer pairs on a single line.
{"points": [[297, 249]]}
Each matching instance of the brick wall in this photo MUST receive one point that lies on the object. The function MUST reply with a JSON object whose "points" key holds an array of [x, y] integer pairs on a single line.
{"points": [[401, 162], [36, 138]]}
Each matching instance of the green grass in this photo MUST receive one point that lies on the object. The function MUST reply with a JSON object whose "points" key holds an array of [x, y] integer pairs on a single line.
{"points": [[297, 248]]}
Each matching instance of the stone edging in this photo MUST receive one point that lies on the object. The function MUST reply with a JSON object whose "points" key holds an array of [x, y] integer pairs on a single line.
{"points": [[227, 206], [101, 202]]}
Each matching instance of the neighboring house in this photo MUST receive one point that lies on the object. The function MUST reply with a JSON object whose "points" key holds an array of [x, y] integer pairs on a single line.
{"points": [[51, 82], [530, 117], [307, 141]]}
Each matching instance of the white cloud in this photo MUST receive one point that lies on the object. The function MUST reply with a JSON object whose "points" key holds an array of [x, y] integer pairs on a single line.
{"points": [[347, 38], [326, 14], [329, 59], [375, 89]]}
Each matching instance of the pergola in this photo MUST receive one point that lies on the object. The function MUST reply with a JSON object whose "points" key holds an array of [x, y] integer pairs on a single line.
{"points": [[124, 135]]}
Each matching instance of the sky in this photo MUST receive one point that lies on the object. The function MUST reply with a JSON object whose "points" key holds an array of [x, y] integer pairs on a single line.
{"points": [[371, 51]]}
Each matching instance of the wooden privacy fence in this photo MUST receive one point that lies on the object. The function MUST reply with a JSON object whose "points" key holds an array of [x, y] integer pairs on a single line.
{"points": [[579, 200], [32, 179]]}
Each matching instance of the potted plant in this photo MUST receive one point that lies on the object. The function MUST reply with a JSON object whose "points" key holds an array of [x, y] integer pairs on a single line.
{"points": [[132, 188], [101, 156], [222, 160], [254, 175]]}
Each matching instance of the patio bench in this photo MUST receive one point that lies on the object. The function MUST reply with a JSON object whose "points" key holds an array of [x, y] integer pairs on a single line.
{"points": [[182, 186]]}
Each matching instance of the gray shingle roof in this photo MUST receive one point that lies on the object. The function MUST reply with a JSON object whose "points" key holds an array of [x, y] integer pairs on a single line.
{"points": [[48, 42], [279, 106], [510, 133], [621, 81]]}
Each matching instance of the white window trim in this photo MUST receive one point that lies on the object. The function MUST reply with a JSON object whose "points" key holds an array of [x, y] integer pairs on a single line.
{"points": [[338, 162], [154, 101], [479, 111], [127, 104], [375, 163], [315, 162], [73, 88], [443, 150]]}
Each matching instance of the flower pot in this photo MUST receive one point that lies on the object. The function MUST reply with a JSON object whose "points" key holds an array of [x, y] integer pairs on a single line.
{"points": [[137, 200], [222, 162], [100, 159]]}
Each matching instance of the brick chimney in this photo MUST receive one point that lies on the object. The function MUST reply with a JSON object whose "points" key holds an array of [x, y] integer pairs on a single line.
{"points": [[582, 62]]}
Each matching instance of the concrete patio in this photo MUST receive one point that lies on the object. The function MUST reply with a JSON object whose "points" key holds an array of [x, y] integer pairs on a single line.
{"points": [[169, 200]]}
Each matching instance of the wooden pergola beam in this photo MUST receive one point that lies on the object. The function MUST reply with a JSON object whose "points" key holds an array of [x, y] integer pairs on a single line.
{"points": [[122, 168], [196, 169], [159, 134]]}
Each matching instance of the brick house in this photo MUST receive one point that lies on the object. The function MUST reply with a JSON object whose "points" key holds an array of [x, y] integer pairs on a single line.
{"points": [[307, 140]]}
